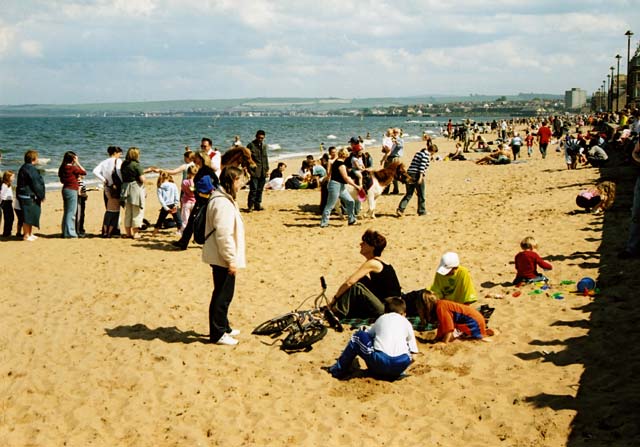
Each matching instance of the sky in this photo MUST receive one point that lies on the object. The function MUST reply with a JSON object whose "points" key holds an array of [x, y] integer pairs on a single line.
{"points": [[96, 51]]}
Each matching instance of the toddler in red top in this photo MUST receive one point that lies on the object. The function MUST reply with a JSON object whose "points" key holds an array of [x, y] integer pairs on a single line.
{"points": [[527, 262]]}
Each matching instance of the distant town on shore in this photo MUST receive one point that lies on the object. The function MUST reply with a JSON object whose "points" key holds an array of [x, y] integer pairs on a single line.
{"points": [[523, 104]]}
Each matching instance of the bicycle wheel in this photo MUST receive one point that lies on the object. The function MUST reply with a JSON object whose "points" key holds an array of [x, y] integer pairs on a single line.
{"points": [[275, 325], [305, 338]]}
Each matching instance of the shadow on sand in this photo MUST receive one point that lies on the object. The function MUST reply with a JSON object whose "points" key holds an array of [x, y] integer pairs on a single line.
{"points": [[608, 395], [166, 334]]}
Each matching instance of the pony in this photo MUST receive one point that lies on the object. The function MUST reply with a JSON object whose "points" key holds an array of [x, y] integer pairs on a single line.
{"points": [[240, 157], [378, 180]]}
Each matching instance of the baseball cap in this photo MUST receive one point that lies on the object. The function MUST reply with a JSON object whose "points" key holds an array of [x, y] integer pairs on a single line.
{"points": [[448, 261], [354, 140]]}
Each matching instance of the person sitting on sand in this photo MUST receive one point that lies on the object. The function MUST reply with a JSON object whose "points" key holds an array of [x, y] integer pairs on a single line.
{"points": [[457, 155], [501, 156], [452, 281], [598, 198], [362, 294], [386, 346], [527, 262]]}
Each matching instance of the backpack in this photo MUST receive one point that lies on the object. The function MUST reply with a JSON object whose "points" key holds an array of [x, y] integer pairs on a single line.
{"points": [[116, 182], [293, 183], [200, 224]]}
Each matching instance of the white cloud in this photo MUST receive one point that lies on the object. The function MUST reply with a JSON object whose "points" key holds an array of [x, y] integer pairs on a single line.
{"points": [[6, 38], [31, 48]]}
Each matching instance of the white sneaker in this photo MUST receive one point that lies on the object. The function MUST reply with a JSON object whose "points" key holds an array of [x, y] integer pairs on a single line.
{"points": [[234, 332], [227, 339]]}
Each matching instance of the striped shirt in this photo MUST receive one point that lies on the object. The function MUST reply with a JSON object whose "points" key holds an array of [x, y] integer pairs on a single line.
{"points": [[419, 163]]}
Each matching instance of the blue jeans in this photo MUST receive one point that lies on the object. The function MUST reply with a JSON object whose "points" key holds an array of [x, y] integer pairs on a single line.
{"points": [[420, 189], [337, 191], [543, 149], [633, 242], [379, 363], [70, 201]]}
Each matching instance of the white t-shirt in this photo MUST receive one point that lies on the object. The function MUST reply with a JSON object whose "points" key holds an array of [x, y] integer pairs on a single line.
{"points": [[105, 168], [6, 193], [393, 335]]}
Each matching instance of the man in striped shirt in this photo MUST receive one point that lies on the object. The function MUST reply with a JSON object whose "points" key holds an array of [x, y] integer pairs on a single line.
{"points": [[417, 170]]}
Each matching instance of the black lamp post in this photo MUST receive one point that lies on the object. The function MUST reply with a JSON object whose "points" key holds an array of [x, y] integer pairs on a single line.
{"points": [[611, 90], [618, 84], [629, 33], [602, 105], [609, 96]]}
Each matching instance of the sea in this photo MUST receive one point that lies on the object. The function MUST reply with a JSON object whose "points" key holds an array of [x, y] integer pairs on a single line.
{"points": [[162, 140]]}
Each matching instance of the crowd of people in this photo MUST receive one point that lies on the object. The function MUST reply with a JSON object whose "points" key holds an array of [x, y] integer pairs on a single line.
{"points": [[373, 289]]}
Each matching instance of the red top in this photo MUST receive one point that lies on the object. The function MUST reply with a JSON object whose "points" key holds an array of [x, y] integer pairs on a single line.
{"points": [[526, 263], [544, 134], [69, 176]]}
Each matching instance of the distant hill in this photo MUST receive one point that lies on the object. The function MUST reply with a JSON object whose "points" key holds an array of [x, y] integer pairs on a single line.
{"points": [[213, 106]]}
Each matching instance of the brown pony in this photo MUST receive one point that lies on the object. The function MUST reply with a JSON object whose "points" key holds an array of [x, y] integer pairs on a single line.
{"points": [[240, 157], [379, 179]]}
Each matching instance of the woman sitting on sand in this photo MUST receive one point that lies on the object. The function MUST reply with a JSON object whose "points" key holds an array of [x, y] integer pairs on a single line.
{"points": [[501, 156], [362, 295]]}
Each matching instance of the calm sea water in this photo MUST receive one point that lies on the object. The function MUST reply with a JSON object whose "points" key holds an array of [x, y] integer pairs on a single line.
{"points": [[162, 140]]}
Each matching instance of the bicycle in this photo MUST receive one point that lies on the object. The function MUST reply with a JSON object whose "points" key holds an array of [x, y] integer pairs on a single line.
{"points": [[304, 327]]}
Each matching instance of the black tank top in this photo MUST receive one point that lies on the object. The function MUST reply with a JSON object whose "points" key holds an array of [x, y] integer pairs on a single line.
{"points": [[383, 284]]}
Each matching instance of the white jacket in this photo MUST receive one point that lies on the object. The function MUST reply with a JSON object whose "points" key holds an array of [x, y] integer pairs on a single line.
{"points": [[226, 245]]}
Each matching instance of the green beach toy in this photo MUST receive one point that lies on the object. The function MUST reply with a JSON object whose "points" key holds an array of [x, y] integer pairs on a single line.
{"points": [[535, 292], [567, 282]]}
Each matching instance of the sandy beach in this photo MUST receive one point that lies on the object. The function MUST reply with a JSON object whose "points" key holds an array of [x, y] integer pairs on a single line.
{"points": [[103, 342]]}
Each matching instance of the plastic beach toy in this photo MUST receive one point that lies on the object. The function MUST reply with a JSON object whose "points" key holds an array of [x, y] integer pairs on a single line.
{"points": [[586, 285], [566, 282], [362, 195]]}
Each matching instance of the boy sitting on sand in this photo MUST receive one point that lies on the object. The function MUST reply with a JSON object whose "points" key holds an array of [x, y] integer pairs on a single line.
{"points": [[527, 261], [452, 281], [386, 346]]}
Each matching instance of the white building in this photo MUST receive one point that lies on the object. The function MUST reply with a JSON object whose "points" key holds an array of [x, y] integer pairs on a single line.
{"points": [[576, 98]]}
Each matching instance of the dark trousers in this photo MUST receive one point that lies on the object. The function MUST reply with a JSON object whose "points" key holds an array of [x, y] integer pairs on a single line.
{"points": [[82, 203], [224, 286], [163, 216], [256, 186], [188, 229], [20, 215], [7, 214]]}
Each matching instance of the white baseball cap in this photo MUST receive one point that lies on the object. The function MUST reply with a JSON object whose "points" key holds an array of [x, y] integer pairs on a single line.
{"points": [[448, 261]]}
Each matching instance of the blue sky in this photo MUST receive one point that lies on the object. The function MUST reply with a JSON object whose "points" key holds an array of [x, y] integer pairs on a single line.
{"points": [[84, 51]]}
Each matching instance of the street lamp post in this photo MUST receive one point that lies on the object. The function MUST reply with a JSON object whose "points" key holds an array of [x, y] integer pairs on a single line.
{"points": [[618, 84], [611, 90], [602, 105], [629, 33], [609, 96]]}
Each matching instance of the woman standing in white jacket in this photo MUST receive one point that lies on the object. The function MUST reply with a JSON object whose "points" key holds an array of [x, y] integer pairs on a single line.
{"points": [[224, 250]]}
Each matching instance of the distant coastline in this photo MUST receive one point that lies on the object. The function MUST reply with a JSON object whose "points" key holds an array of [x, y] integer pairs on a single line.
{"points": [[522, 104]]}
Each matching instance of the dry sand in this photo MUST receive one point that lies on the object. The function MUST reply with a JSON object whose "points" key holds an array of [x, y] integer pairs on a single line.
{"points": [[102, 341]]}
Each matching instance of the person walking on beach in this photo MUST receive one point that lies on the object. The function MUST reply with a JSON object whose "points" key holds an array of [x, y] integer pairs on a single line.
{"points": [[417, 170], [224, 251], [544, 137], [31, 193], [337, 189], [259, 173]]}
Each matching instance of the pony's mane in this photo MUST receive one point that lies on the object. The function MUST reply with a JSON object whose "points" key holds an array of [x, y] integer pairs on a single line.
{"points": [[237, 155]]}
